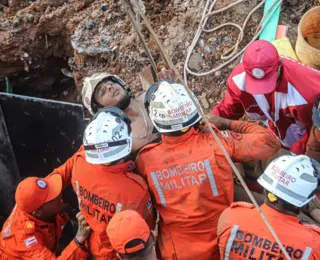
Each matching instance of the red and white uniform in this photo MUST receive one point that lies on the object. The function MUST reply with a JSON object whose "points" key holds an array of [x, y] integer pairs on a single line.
{"points": [[287, 111]]}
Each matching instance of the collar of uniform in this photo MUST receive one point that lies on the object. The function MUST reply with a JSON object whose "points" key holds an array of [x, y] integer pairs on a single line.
{"points": [[278, 215], [178, 139], [28, 217], [119, 168]]}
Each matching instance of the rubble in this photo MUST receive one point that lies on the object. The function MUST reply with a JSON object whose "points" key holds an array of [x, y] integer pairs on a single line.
{"points": [[90, 36], [204, 101]]}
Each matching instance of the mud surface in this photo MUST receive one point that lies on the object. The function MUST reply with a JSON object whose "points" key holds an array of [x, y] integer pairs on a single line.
{"points": [[48, 46]]}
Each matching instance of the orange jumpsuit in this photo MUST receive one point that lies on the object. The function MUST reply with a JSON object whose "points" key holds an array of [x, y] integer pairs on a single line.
{"points": [[242, 234], [313, 145], [192, 183], [102, 191], [25, 237]]}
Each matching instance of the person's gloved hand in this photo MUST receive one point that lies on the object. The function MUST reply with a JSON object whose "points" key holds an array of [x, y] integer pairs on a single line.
{"points": [[219, 122], [84, 229]]}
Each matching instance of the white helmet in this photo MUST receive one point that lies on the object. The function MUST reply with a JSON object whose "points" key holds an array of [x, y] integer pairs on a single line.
{"points": [[170, 107], [89, 85], [291, 178], [108, 136]]}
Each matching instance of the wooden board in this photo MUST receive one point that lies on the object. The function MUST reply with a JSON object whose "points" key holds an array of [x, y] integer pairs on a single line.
{"points": [[284, 48], [282, 31], [269, 32]]}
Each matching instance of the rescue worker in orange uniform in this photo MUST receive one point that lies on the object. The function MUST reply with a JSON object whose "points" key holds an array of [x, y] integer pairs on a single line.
{"points": [[102, 176], [131, 237], [34, 227], [290, 182], [188, 175]]}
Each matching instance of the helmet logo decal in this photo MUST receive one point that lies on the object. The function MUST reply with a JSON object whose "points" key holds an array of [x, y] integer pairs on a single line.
{"points": [[282, 176], [181, 111], [258, 73], [42, 184]]}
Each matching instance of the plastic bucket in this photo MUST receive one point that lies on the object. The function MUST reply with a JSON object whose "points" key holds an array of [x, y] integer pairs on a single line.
{"points": [[308, 42]]}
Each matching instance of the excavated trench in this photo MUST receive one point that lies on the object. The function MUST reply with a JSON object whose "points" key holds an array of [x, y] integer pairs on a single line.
{"points": [[43, 41], [48, 82]]}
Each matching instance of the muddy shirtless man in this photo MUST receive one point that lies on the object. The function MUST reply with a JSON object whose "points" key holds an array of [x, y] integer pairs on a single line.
{"points": [[103, 89]]}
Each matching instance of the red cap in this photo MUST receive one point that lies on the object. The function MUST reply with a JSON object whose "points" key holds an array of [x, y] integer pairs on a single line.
{"points": [[33, 192], [126, 226], [261, 61]]}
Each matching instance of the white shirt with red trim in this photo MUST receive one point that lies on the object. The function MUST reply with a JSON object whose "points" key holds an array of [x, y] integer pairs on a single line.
{"points": [[287, 111]]}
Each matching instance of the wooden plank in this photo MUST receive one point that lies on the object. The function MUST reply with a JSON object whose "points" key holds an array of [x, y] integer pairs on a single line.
{"points": [[269, 32], [146, 77], [282, 31], [284, 48]]}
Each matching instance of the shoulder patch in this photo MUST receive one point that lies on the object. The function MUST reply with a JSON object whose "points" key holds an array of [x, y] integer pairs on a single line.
{"points": [[242, 204], [236, 136], [31, 241], [149, 204], [29, 227], [225, 133], [137, 178], [313, 227]]}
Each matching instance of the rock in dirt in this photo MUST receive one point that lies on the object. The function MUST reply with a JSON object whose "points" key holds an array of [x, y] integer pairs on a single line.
{"points": [[204, 101], [195, 62], [96, 36]]}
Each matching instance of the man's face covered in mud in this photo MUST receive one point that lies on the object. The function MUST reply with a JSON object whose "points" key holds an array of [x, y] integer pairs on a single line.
{"points": [[109, 93]]}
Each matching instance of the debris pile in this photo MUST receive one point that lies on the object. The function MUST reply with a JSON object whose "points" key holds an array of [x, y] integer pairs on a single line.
{"points": [[39, 38]]}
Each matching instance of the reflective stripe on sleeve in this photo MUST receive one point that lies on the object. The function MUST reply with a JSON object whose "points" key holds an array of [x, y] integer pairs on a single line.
{"points": [[306, 253], [211, 178], [230, 241], [158, 188]]}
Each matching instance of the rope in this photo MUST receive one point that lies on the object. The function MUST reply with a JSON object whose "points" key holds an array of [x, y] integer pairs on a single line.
{"points": [[184, 81], [138, 31], [235, 53], [142, 8]]}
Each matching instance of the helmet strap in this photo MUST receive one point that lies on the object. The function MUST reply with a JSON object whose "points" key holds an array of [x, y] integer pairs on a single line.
{"points": [[95, 106], [281, 205]]}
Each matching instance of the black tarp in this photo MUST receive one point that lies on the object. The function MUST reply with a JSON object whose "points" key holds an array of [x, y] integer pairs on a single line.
{"points": [[43, 135], [9, 174]]}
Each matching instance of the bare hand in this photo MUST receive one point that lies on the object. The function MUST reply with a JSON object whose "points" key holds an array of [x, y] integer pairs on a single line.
{"points": [[240, 169], [219, 122], [84, 229]]}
